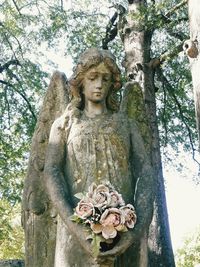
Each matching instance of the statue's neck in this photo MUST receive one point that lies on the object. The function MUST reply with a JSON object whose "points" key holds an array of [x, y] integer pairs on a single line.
{"points": [[94, 109]]}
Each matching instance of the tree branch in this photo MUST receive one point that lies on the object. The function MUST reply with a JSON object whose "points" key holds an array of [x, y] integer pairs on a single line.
{"points": [[7, 64], [61, 5], [179, 35], [134, 1], [16, 6], [111, 31], [176, 7], [8, 107], [23, 96], [169, 88], [165, 18], [7, 39], [156, 62]]}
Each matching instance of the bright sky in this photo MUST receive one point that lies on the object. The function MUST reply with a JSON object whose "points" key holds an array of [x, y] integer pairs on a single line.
{"points": [[183, 198]]}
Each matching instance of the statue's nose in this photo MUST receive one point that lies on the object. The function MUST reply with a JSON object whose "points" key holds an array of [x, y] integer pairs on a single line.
{"points": [[99, 82]]}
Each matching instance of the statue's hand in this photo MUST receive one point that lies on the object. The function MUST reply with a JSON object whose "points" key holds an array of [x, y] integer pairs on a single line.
{"points": [[80, 233], [126, 240]]}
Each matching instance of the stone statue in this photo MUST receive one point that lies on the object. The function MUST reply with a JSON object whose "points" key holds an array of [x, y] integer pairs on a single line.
{"points": [[92, 141]]}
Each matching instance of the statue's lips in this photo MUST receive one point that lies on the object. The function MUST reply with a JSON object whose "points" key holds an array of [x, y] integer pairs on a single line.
{"points": [[97, 93]]}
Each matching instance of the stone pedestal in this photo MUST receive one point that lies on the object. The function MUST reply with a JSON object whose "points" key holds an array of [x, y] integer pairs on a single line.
{"points": [[12, 263]]}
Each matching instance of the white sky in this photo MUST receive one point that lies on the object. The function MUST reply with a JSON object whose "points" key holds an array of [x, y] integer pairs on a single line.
{"points": [[183, 198]]}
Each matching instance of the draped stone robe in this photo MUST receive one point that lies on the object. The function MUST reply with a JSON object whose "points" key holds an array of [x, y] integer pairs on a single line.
{"points": [[106, 148]]}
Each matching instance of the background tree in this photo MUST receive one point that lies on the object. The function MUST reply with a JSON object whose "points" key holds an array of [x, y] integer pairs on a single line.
{"points": [[189, 254], [150, 36], [192, 48]]}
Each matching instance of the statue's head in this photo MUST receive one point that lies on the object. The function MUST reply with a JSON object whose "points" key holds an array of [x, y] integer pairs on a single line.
{"points": [[91, 58]]}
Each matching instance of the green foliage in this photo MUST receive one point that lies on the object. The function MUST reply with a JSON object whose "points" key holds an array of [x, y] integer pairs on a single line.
{"points": [[22, 85], [174, 96], [11, 233], [176, 107], [96, 243], [189, 254]]}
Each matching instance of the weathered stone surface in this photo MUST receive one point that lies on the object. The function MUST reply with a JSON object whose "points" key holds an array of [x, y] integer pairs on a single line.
{"points": [[12, 263], [90, 142]]}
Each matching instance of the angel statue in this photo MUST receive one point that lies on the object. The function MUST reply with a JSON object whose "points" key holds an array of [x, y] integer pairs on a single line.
{"points": [[92, 139]]}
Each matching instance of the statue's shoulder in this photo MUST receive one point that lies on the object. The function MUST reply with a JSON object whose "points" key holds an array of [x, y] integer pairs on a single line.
{"points": [[59, 122], [120, 116], [62, 121], [124, 120], [59, 127]]}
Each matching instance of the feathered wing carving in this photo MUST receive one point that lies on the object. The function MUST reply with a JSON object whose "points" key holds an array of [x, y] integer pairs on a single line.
{"points": [[134, 106], [38, 217]]}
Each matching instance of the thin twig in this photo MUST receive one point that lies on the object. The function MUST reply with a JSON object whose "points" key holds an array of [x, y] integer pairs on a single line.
{"points": [[176, 7], [9, 43], [8, 107], [16, 6]]}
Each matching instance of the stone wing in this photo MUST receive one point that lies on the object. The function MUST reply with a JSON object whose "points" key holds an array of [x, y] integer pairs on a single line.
{"points": [[133, 105], [38, 217]]}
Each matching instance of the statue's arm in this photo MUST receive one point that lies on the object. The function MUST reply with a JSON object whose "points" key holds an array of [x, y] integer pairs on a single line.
{"points": [[53, 170], [55, 181], [144, 195]]}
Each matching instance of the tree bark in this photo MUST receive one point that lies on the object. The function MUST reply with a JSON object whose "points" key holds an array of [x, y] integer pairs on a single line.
{"points": [[137, 44]]}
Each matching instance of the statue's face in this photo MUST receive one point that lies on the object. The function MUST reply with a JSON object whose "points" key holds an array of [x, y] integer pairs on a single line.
{"points": [[96, 83]]}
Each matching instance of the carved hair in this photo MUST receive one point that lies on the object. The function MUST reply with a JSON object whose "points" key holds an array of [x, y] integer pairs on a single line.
{"points": [[91, 58]]}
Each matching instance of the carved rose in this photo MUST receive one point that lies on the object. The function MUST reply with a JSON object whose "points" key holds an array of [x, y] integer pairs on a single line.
{"points": [[109, 232], [116, 199], [129, 215], [110, 220], [104, 210], [99, 196], [84, 209], [96, 228]]}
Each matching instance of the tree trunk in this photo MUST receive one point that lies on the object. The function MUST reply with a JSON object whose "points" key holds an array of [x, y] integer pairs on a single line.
{"points": [[192, 48], [137, 54]]}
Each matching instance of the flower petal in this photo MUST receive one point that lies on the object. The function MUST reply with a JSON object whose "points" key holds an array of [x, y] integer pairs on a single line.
{"points": [[96, 228], [109, 232], [104, 215], [121, 228], [102, 188], [130, 224]]}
